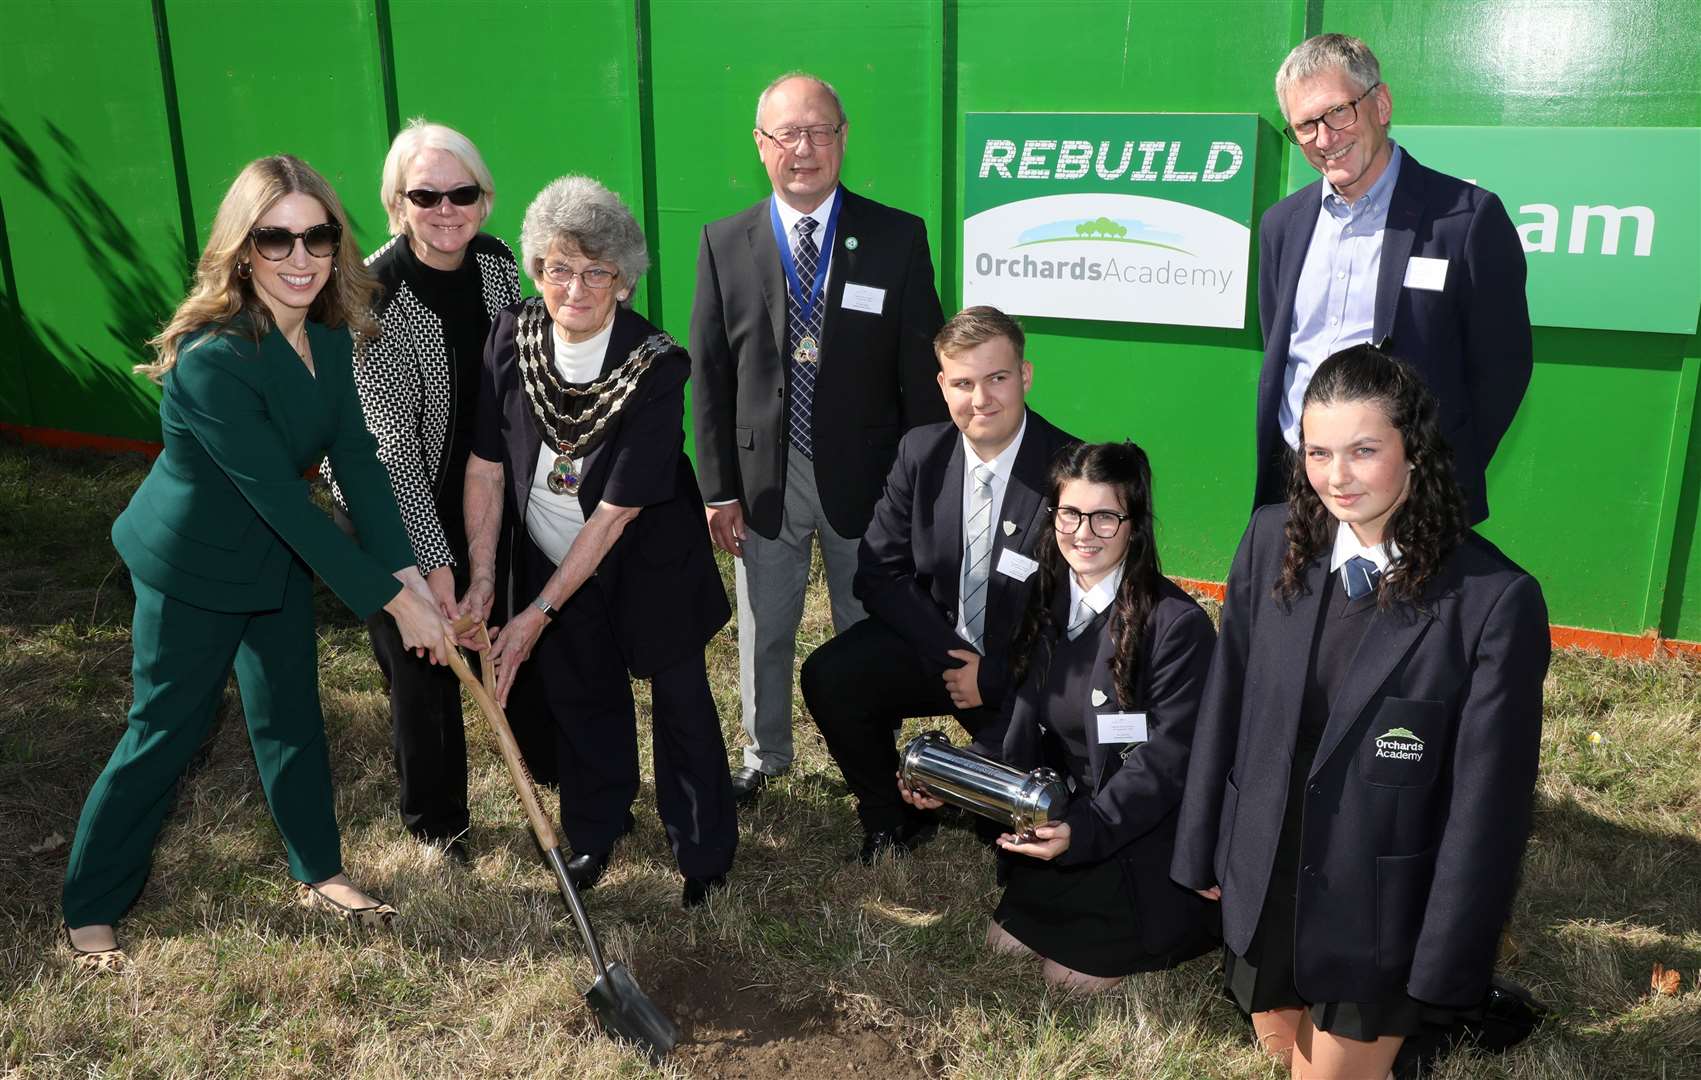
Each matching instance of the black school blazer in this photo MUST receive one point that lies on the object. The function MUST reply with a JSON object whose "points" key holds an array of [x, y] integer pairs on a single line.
{"points": [[663, 561], [1129, 812], [1418, 804]]}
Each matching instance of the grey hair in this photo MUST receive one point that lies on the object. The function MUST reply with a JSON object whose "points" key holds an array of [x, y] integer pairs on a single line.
{"points": [[762, 98], [420, 134], [1324, 53], [579, 211]]}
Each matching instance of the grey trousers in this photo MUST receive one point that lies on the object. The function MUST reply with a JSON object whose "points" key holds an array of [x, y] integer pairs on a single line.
{"points": [[772, 578]]}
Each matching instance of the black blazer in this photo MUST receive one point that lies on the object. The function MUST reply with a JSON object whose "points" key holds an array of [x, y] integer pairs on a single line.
{"points": [[910, 560], [876, 377], [1129, 813], [1470, 341], [1408, 863], [664, 593]]}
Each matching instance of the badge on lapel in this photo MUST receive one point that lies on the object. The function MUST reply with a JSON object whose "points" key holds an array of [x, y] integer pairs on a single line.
{"points": [[1009, 528], [1098, 697]]}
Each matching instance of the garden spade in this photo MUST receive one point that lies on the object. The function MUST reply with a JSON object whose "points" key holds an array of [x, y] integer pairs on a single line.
{"points": [[620, 1006]]}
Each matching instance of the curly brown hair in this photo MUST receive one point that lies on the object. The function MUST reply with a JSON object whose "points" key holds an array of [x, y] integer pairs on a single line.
{"points": [[1428, 525], [1123, 467]]}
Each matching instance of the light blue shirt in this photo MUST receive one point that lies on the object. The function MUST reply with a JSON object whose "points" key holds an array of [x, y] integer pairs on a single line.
{"points": [[1334, 307]]}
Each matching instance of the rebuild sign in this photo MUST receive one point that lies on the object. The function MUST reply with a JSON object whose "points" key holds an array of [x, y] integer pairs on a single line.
{"points": [[1128, 217]]}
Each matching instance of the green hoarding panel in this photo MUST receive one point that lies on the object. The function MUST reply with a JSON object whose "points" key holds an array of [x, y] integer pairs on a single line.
{"points": [[92, 216], [300, 78], [541, 89]]}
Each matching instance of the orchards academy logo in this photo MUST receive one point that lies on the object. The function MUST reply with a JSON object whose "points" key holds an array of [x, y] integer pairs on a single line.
{"points": [[1129, 217], [1399, 744]]}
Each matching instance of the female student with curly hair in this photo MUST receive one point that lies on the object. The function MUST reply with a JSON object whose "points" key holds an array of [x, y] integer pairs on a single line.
{"points": [[1359, 794]]}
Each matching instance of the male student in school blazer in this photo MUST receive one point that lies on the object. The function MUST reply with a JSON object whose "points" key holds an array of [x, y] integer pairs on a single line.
{"points": [[911, 568], [797, 420], [1410, 856], [1449, 284]]}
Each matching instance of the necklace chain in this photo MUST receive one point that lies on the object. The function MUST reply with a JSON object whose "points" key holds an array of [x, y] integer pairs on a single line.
{"points": [[568, 435]]}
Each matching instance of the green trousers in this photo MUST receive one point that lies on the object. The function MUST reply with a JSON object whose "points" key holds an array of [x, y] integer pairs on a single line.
{"points": [[183, 659]]}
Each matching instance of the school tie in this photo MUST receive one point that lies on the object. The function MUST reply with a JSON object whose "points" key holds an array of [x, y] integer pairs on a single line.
{"points": [[1083, 615], [977, 554], [802, 331], [1360, 575]]}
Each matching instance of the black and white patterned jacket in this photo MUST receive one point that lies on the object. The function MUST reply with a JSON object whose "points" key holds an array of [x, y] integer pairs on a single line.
{"points": [[408, 392]]}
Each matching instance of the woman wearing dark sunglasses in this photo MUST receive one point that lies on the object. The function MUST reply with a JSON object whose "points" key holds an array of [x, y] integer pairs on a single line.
{"points": [[443, 281], [222, 540], [1109, 663]]}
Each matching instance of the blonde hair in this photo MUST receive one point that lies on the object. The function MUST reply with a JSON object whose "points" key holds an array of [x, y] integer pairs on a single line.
{"points": [[220, 294], [420, 134]]}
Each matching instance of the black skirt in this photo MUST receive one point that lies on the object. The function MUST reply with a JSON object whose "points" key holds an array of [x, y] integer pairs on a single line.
{"points": [[1082, 917]]}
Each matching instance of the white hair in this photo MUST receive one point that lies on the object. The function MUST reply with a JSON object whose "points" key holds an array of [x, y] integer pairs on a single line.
{"points": [[578, 210], [419, 135]]}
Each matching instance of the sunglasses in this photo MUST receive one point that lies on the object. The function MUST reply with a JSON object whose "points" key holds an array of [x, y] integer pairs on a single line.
{"points": [[275, 244], [425, 198]]}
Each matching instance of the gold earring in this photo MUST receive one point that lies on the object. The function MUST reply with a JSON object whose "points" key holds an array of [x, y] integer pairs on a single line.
{"points": [[244, 270]]}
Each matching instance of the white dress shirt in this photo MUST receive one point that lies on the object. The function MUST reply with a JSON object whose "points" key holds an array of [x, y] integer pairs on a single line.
{"points": [[1099, 597], [1347, 545], [1000, 466], [789, 219]]}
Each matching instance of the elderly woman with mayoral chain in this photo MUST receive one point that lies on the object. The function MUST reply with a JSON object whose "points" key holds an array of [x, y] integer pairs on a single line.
{"points": [[581, 417], [222, 540]]}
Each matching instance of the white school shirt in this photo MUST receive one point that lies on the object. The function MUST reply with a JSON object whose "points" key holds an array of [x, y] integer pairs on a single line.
{"points": [[1000, 466]]}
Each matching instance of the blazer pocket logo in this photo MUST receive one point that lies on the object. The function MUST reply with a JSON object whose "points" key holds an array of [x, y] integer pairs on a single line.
{"points": [[1399, 744]]}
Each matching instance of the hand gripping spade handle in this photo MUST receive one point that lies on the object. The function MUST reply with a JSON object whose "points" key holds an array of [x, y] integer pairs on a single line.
{"points": [[620, 1006]]}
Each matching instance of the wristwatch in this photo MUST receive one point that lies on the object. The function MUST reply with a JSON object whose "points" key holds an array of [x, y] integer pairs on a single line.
{"points": [[550, 611]]}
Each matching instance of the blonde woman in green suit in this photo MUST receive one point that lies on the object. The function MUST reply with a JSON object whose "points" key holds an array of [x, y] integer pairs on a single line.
{"points": [[221, 540]]}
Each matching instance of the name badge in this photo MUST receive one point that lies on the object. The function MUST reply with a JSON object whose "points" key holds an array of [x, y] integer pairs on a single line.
{"points": [[864, 298], [1014, 564], [1422, 273], [1122, 727]]}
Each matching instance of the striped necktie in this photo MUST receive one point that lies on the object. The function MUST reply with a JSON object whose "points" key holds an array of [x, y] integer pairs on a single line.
{"points": [[1359, 575], [1083, 615], [977, 554]]}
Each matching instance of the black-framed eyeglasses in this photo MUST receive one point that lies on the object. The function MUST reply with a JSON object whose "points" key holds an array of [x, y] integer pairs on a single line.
{"points": [[818, 135], [1104, 523], [1339, 118], [591, 277], [465, 195], [275, 244]]}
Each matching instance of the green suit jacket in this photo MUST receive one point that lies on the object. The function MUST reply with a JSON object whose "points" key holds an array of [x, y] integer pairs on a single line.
{"points": [[225, 510]]}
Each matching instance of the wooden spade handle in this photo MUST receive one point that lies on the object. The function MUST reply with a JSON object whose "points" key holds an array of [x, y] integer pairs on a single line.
{"points": [[484, 694]]}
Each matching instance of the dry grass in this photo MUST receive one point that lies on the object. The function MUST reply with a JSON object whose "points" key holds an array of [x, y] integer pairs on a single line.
{"points": [[481, 978]]}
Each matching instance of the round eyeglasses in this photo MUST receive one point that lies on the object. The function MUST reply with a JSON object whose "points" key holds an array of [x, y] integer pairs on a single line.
{"points": [[1104, 523], [1339, 118]]}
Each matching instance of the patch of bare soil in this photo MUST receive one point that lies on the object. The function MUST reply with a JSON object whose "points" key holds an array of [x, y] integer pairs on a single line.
{"points": [[734, 1030]]}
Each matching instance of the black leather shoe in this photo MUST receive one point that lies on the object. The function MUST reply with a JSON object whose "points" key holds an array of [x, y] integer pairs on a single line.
{"points": [[697, 890], [895, 843], [747, 784], [587, 869], [457, 853]]}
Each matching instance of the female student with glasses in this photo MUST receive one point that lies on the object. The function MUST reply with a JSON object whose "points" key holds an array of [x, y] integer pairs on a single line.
{"points": [[1109, 663], [1359, 796], [222, 541], [443, 282]]}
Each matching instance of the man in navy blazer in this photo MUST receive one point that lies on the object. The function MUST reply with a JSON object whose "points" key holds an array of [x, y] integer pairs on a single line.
{"points": [[1386, 251], [944, 570]]}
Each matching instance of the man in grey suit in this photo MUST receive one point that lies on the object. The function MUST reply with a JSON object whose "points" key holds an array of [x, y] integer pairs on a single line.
{"points": [[811, 346]]}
